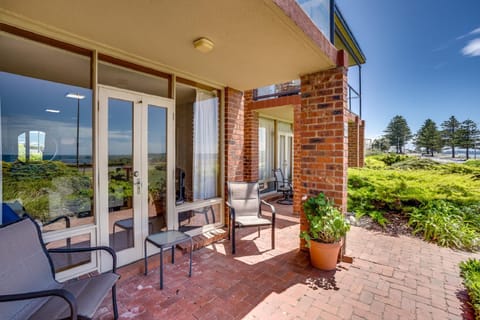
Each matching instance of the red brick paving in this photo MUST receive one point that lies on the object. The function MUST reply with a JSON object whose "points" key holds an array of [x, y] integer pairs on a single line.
{"points": [[390, 278]]}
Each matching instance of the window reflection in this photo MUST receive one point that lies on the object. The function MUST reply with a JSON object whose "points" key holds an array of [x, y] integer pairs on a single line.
{"points": [[46, 150]]}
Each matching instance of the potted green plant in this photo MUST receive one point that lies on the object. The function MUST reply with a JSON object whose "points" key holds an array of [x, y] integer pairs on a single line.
{"points": [[326, 228]]}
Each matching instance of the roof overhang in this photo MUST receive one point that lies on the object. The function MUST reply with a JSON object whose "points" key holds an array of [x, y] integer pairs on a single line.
{"points": [[256, 42], [345, 40]]}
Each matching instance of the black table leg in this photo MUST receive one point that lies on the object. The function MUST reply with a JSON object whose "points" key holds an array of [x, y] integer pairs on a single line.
{"points": [[145, 257], [161, 268]]}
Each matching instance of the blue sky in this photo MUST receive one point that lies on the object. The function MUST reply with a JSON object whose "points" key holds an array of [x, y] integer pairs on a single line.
{"points": [[423, 60]]}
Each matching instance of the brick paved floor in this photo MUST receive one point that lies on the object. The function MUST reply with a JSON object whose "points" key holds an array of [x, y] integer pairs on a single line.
{"points": [[390, 278]]}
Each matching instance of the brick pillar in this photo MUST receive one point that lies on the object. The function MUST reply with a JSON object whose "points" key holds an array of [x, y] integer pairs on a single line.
{"points": [[234, 139], [361, 144], [321, 142], [353, 143], [251, 138]]}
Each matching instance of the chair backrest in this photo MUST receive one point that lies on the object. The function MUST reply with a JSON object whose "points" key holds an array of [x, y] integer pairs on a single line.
{"points": [[24, 267], [279, 178], [244, 197]]}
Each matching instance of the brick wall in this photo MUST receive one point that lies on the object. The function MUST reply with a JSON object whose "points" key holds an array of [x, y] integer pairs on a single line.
{"points": [[320, 139], [234, 138], [361, 144], [251, 139], [353, 153]]}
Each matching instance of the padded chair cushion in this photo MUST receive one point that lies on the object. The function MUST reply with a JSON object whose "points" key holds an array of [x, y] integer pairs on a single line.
{"points": [[89, 293], [25, 267], [249, 221]]}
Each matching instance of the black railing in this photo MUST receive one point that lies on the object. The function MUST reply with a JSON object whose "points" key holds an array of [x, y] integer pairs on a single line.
{"points": [[277, 90], [354, 101]]}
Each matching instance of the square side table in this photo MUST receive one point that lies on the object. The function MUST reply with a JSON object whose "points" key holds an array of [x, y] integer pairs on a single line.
{"points": [[165, 240]]}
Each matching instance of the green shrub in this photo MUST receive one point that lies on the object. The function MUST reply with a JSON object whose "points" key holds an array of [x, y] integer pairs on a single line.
{"points": [[374, 163], [470, 271], [412, 163], [390, 158], [445, 224], [437, 195]]}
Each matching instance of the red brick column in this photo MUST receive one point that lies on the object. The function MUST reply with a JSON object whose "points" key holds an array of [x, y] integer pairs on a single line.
{"points": [[353, 142], [321, 142], [234, 135], [250, 166], [361, 144], [234, 139]]}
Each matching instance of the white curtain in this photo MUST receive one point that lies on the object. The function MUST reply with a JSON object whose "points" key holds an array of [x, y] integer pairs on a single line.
{"points": [[205, 145]]}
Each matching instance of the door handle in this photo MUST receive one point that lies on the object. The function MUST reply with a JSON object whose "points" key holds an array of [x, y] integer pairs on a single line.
{"points": [[138, 183]]}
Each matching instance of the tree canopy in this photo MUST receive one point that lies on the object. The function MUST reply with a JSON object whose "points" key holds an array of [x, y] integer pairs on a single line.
{"points": [[450, 133], [428, 137], [398, 133]]}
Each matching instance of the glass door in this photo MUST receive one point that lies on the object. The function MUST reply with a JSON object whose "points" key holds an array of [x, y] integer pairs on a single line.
{"points": [[134, 185], [285, 155]]}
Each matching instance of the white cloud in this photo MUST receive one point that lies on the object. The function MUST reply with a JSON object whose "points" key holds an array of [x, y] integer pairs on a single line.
{"points": [[472, 49], [473, 32], [476, 31]]}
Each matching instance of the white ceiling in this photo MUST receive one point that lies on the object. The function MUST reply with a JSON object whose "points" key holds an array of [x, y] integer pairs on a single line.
{"points": [[256, 43]]}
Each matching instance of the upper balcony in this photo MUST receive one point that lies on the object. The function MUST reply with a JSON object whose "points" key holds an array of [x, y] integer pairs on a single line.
{"points": [[333, 25]]}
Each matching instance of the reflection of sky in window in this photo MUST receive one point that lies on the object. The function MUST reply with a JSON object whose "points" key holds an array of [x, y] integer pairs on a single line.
{"points": [[157, 130], [319, 12], [24, 102], [120, 123], [120, 128]]}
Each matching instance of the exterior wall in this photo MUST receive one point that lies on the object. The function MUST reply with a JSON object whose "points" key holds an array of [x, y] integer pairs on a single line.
{"points": [[356, 134], [361, 144], [234, 139], [251, 139], [320, 140], [353, 142]]}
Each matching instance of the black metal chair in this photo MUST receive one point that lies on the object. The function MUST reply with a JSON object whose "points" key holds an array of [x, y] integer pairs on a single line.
{"points": [[28, 289], [284, 186], [245, 209]]}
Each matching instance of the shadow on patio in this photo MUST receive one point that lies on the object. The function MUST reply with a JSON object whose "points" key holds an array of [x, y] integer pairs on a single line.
{"points": [[394, 278]]}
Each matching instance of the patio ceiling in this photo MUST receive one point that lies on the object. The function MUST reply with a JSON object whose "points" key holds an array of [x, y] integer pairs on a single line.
{"points": [[256, 42]]}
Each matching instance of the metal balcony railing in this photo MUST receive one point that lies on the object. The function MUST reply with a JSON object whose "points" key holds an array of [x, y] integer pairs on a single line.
{"points": [[293, 88]]}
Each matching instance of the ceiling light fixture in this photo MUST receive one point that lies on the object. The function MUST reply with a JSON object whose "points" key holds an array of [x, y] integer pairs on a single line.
{"points": [[203, 44]]}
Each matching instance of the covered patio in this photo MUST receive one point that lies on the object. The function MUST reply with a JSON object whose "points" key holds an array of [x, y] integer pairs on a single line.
{"points": [[390, 278]]}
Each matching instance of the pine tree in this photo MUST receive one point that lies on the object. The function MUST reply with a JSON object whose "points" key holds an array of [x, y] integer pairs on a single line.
{"points": [[428, 137], [450, 132], [398, 133], [468, 135]]}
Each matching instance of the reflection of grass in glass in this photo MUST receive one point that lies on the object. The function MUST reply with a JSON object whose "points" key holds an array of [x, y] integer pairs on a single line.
{"points": [[45, 185]]}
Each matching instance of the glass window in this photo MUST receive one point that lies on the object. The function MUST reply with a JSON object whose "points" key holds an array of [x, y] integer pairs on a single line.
{"points": [[266, 148], [46, 134], [120, 77], [319, 13], [197, 144]]}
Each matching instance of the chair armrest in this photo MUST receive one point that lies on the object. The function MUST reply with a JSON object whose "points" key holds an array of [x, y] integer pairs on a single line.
{"points": [[88, 249], [272, 208], [62, 293], [67, 221]]}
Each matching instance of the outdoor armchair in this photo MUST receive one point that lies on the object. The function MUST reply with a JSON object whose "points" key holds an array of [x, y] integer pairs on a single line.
{"points": [[245, 204], [28, 289], [284, 186]]}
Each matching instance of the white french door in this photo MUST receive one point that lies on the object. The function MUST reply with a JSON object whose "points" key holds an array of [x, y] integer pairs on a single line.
{"points": [[136, 174]]}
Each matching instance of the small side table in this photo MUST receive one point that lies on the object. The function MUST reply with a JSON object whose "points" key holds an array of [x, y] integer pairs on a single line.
{"points": [[167, 240]]}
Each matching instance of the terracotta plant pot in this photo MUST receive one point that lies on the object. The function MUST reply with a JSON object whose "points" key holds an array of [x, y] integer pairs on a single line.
{"points": [[324, 256]]}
